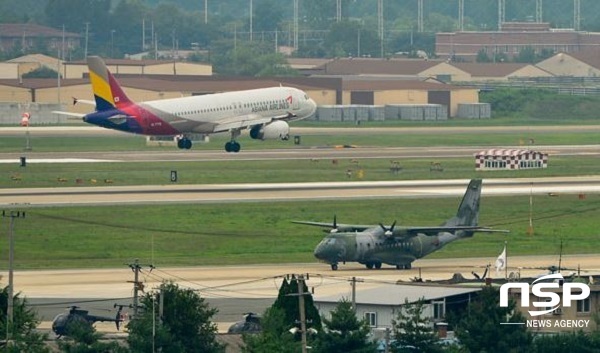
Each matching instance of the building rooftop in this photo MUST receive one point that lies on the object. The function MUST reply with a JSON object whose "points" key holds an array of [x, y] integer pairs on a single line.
{"points": [[399, 294], [20, 30]]}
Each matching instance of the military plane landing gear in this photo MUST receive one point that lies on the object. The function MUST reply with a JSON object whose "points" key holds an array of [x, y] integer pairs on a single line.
{"points": [[334, 267], [233, 146], [404, 267], [371, 265], [184, 143]]}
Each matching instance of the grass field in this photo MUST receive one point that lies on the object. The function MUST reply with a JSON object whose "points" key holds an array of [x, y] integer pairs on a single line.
{"points": [[214, 234], [216, 172]]}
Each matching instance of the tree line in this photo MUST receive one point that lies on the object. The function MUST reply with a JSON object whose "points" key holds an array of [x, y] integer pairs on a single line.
{"points": [[186, 326], [223, 36]]}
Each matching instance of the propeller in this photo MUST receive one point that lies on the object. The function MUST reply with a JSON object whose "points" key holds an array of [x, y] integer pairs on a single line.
{"points": [[334, 229], [388, 232]]}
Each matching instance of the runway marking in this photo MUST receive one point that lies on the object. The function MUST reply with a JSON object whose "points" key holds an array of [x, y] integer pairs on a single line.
{"points": [[59, 160]]}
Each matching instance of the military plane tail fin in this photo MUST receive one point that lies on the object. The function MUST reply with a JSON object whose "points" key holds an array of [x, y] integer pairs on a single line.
{"points": [[468, 211]]}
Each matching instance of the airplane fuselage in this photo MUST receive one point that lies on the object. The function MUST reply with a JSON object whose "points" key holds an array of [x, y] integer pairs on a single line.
{"points": [[266, 112], [372, 248], [205, 113]]}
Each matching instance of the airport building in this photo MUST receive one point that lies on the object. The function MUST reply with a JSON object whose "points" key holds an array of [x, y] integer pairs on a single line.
{"points": [[512, 39], [510, 159], [581, 315], [154, 80], [380, 305]]}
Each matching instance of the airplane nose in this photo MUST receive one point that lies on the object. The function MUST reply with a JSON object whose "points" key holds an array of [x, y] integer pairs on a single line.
{"points": [[327, 250], [313, 105], [320, 251]]}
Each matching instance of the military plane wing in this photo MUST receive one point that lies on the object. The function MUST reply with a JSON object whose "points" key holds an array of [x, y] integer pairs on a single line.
{"points": [[373, 245], [400, 230]]}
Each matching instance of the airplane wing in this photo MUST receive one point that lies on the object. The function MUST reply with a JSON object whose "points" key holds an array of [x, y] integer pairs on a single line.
{"points": [[245, 121], [340, 227], [403, 231], [435, 230]]}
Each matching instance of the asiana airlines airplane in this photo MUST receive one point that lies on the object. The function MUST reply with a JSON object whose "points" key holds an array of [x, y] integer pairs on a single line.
{"points": [[265, 111]]}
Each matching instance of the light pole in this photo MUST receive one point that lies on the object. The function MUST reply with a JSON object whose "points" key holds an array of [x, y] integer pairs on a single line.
{"points": [[251, 14], [11, 246], [112, 42]]}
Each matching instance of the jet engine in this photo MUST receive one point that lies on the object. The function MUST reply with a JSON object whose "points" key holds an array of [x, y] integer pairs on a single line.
{"points": [[275, 130]]}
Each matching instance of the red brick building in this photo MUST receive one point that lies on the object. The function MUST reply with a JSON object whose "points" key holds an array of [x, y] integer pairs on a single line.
{"points": [[512, 39], [28, 35]]}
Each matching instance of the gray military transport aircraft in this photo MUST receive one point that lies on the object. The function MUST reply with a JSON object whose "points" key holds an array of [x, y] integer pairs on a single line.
{"points": [[373, 245]]}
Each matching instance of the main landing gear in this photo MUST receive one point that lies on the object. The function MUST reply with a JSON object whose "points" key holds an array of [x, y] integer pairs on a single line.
{"points": [[184, 143], [233, 146]]}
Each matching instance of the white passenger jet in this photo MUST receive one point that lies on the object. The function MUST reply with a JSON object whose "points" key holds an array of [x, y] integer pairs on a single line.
{"points": [[266, 111]]}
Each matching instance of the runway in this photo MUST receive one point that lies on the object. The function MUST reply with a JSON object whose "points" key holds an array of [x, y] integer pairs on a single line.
{"points": [[213, 193], [299, 152], [315, 153]]}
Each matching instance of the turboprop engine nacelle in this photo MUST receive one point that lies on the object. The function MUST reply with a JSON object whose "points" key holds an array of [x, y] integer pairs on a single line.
{"points": [[275, 130]]}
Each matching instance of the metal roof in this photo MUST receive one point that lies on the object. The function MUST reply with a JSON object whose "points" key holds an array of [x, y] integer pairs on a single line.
{"points": [[396, 295], [506, 152]]}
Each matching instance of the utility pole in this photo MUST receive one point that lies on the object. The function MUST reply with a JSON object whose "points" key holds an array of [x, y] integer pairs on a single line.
{"points": [[296, 25], [301, 306], [380, 25], [11, 250], [461, 15], [251, 14], [205, 11], [137, 285], [501, 13], [301, 293], [353, 283], [420, 16], [87, 33]]}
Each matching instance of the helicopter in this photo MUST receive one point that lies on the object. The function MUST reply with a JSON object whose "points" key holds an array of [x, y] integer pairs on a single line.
{"points": [[61, 323], [250, 324]]}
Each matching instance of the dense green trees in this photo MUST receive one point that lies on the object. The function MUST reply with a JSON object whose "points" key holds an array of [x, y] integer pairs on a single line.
{"points": [[24, 336], [412, 329], [344, 333], [479, 329], [185, 324], [83, 338], [282, 316], [541, 104]]}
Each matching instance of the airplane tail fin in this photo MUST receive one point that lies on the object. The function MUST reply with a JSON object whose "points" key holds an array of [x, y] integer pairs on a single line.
{"points": [[107, 91], [468, 211]]}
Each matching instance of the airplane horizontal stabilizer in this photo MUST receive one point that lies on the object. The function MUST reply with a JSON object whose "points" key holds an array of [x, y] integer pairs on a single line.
{"points": [[78, 115], [83, 101]]}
